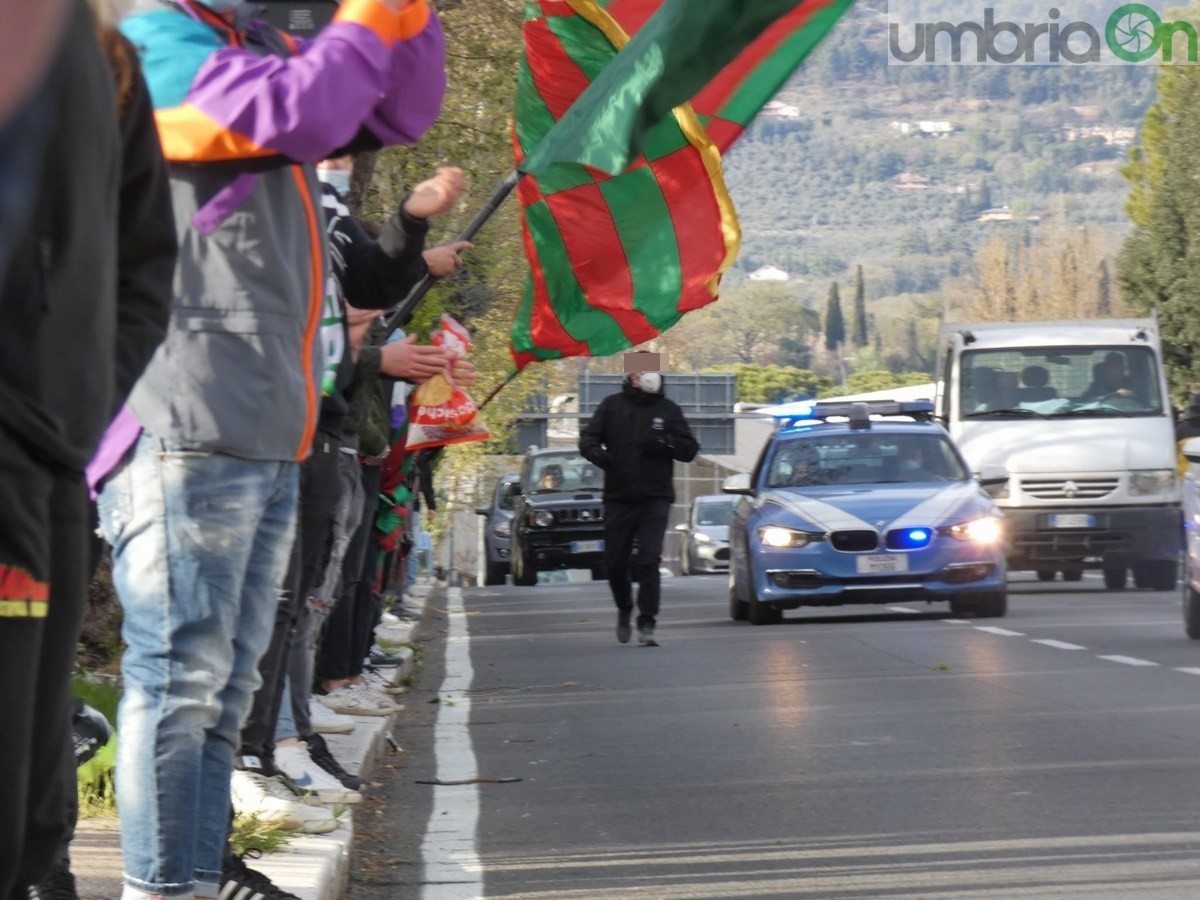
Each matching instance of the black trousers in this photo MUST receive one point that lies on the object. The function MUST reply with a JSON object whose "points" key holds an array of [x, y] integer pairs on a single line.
{"points": [[320, 486], [645, 523], [44, 533], [341, 651]]}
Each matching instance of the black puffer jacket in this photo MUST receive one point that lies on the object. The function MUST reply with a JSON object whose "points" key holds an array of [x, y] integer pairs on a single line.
{"points": [[635, 437]]}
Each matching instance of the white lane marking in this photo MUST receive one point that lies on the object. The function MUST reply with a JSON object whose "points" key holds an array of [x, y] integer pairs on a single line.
{"points": [[1061, 645], [1129, 660], [903, 609], [957, 621], [1003, 632], [1188, 671], [452, 870]]}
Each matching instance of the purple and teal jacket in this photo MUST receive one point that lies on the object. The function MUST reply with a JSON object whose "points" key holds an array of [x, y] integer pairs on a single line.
{"points": [[242, 112]]}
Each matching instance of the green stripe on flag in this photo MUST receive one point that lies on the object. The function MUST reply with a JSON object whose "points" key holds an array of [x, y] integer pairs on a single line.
{"points": [[775, 69], [643, 221], [530, 113], [579, 319]]}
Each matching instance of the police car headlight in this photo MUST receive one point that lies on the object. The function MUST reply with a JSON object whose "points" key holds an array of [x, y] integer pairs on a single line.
{"points": [[984, 530], [504, 529], [774, 536], [1155, 481], [542, 518]]}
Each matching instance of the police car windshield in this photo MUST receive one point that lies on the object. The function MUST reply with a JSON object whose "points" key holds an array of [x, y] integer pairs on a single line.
{"points": [[863, 458], [564, 472]]}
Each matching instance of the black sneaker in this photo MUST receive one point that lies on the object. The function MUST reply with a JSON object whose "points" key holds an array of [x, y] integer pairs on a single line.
{"points": [[624, 629], [319, 753], [58, 885], [240, 882]]}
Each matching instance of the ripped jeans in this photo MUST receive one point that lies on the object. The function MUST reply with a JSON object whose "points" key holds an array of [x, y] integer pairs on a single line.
{"points": [[200, 547]]}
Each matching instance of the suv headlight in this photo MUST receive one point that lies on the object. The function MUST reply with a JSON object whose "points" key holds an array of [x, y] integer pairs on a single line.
{"points": [[542, 518], [504, 529], [775, 536], [1154, 481], [984, 530], [702, 538]]}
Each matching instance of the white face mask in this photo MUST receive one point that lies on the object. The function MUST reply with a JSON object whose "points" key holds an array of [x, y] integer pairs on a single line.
{"points": [[650, 382], [338, 179]]}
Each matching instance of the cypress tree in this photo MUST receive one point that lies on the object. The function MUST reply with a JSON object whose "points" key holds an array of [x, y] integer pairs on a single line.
{"points": [[860, 309], [835, 323]]}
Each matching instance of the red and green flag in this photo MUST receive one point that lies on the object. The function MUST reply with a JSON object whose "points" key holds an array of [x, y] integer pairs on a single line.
{"points": [[627, 223]]}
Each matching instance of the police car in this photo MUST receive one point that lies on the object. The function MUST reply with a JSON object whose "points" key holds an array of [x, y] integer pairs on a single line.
{"points": [[863, 503]]}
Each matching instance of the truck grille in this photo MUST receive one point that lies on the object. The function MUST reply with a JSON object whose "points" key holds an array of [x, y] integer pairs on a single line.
{"points": [[1068, 489], [577, 515]]}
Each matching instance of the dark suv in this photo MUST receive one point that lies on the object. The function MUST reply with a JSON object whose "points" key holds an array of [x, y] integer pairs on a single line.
{"points": [[558, 518]]}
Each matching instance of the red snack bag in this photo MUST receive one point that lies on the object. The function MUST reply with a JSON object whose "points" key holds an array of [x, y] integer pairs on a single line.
{"points": [[440, 412]]}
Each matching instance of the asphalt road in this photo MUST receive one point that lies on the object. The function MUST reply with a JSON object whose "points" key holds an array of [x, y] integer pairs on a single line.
{"points": [[873, 752]]}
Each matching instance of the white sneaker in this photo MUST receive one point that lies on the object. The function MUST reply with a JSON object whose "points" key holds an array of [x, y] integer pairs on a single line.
{"points": [[306, 777], [326, 721], [377, 681], [357, 702], [377, 696], [267, 797]]}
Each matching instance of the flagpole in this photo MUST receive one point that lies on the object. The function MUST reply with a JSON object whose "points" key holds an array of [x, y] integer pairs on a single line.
{"points": [[404, 312], [508, 379]]}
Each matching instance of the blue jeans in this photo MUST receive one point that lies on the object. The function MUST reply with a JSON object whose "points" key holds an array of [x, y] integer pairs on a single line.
{"points": [[200, 547]]}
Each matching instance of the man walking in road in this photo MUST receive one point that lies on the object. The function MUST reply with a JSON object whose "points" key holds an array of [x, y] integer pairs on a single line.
{"points": [[635, 436]]}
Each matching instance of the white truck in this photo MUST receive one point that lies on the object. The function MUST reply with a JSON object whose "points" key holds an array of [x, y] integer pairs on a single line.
{"points": [[1079, 415]]}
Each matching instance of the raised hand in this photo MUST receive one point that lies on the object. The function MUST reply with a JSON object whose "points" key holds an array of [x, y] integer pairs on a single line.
{"points": [[435, 195]]}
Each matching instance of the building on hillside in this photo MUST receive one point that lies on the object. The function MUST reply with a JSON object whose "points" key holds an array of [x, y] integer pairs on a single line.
{"points": [[777, 110], [996, 214], [769, 273], [924, 128], [911, 181], [935, 129]]}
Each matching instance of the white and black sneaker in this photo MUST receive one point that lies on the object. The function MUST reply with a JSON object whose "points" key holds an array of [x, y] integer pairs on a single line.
{"points": [[305, 777], [320, 754], [240, 882], [646, 637]]}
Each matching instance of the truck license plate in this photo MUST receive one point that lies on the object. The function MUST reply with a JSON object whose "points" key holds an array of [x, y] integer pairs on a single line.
{"points": [[1072, 520], [587, 546], [881, 564]]}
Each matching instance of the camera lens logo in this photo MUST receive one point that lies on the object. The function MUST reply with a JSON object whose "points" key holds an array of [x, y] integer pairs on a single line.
{"points": [[1133, 32]]}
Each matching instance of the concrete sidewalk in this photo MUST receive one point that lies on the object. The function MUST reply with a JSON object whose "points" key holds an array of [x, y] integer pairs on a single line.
{"points": [[313, 867]]}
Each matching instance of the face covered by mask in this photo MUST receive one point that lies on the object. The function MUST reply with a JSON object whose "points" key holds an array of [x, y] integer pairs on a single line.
{"points": [[650, 382], [338, 179]]}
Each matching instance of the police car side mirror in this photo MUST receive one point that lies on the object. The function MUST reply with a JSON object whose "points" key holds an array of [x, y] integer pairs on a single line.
{"points": [[682, 527], [483, 510], [992, 474], [737, 484]]}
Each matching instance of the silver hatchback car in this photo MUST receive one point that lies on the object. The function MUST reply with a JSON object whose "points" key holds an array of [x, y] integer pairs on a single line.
{"points": [[706, 535]]}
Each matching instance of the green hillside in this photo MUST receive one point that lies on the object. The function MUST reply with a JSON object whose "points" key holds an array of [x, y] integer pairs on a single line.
{"points": [[891, 167]]}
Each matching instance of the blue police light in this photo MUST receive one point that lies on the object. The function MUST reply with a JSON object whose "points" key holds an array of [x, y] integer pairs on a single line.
{"points": [[909, 538]]}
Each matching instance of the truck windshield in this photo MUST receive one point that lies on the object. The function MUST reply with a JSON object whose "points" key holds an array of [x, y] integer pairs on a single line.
{"points": [[552, 472], [1067, 381]]}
